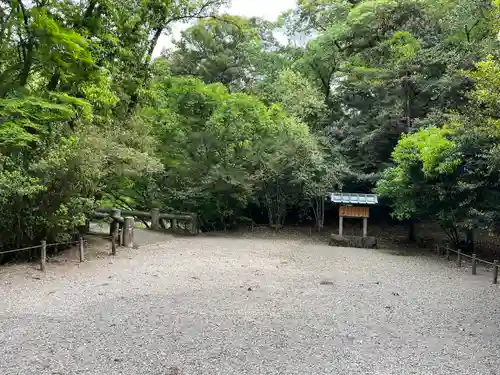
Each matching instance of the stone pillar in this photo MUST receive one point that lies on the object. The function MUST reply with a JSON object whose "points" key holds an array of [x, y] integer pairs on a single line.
{"points": [[341, 225], [365, 226], [128, 232], [155, 219]]}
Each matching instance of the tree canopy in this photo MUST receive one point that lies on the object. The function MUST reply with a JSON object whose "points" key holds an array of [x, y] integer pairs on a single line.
{"points": [[400, 97]]}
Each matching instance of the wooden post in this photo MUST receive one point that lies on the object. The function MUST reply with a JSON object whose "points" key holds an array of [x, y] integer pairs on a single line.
{"points": [[459, 258], [438, 250], [365, 226], [474, 264], [113, 242], [128, 231], [191, 226], [470, 239], [115, 214], [447, 253], [341, 225], [495, 272], [155, 219], [411, 231], [43, 256], [174, 225], [81, 249]]}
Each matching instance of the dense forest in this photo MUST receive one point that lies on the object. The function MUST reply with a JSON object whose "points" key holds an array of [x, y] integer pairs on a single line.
{"points": [[398, 97]]}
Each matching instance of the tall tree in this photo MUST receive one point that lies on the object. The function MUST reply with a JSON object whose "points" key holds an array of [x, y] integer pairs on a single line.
{"points": [[218, 50]]}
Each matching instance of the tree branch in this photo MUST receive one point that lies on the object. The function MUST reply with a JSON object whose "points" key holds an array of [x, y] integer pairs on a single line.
{"points": [[469, 31], [129, 207], [28, 46]]}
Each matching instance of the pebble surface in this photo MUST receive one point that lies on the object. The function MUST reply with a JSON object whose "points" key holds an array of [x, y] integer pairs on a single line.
{"points": [[219, 305]]}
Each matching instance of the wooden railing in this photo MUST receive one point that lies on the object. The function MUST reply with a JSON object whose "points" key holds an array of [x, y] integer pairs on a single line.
{"points": [[121, 230], [446, 251], [159, 221]]}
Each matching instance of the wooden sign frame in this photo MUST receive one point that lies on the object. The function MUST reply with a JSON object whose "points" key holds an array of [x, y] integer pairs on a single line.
{"points": [[354, 211], [358, 212]]}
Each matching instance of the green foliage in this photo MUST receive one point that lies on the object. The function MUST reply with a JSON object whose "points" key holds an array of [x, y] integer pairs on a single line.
{"points": [[225, 150], [218, 51], [297, 96], [401, 95], [450, 174], [70, 74], [422, 159], [412, 100], [487, 92]]}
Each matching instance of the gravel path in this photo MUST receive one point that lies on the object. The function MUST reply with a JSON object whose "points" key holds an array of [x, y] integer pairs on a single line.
{"points": [[213, 305]]}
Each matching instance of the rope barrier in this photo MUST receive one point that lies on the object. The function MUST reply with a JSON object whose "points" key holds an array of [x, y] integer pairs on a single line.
{"points": [[22, 249], [63, 243], [38, 247], [485, 261], [467, 256], [475, 260]]}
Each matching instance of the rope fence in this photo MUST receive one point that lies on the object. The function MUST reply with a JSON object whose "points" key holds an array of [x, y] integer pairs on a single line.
{"points": [[122, 230], [22, 249], [63, 243], [475, 260], [81, 242]]}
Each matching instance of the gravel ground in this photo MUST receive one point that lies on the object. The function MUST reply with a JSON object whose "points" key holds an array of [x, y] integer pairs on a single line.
{"points": [[220, 305]]}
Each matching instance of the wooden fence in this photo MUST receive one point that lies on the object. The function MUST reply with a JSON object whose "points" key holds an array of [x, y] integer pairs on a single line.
{"points": [[443, 250], [121, 230], [43, 250], [159, 221]]}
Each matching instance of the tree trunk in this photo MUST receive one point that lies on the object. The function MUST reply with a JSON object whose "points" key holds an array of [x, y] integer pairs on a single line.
{"points": [[453, 235], [411, 231], [28, 48], [54, 82], [153, 44], [322, 212], [319, 213], [470, 240], [314, 206]]}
